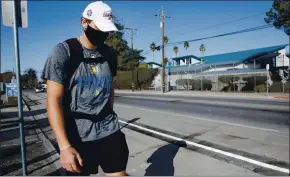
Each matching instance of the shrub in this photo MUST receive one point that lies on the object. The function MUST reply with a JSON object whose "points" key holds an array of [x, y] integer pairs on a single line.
{"points": [[143, 78]]}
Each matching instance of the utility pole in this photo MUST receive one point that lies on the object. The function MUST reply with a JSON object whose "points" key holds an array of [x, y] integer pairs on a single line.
{"points": [[163, 16], [132, 53]]}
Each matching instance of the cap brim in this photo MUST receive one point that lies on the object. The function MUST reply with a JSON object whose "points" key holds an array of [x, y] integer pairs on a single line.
{"points": [[106, 26]]}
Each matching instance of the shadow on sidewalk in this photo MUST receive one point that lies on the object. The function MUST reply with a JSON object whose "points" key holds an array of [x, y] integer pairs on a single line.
{"points": [[55, 173], [28, 124], [14, 114], [18, 165], [162, 160], [12, 128]]}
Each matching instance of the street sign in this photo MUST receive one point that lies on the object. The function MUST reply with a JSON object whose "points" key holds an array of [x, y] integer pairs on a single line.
{"points": [[21, 11], [11, 90]]}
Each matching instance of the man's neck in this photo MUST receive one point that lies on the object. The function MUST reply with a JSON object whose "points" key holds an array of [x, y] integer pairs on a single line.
{"points": [[86, 43]]}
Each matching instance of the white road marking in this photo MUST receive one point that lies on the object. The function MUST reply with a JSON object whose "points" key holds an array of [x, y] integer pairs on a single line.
{"points": [[239, 157], [209, 120]]}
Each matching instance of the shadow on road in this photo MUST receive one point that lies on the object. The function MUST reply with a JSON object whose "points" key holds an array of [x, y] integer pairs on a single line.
{"points": [[162, 160]]}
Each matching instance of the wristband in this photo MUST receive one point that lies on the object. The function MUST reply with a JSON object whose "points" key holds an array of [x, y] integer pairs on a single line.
{"points": [[65, 147]]}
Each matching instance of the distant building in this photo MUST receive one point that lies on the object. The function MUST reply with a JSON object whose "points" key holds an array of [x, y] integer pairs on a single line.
{"points": [[153, 65], [252, 61]]}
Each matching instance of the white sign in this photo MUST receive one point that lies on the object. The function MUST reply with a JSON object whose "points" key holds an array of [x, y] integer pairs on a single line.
{"points": [[267, 67], [7, 12]]}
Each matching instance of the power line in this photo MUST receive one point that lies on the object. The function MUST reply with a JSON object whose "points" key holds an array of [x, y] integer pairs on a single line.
{"points": [[221, 35], [226, 34], [221, 24]]}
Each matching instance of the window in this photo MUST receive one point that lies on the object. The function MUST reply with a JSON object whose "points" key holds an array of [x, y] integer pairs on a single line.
{"points": [[188, 61], [177, 62]]}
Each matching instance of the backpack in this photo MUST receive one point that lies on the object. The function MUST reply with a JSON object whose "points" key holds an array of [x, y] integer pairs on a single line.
{"points": [[77, 57]]}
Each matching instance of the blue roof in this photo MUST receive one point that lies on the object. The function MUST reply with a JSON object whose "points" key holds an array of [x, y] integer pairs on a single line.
{"points": [[200, 67], [233, 72], [242, 55], [154, 63], [185, 57]]}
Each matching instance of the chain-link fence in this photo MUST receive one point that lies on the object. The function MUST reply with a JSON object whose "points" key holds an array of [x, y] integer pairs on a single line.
{"points": [[253, 81]]}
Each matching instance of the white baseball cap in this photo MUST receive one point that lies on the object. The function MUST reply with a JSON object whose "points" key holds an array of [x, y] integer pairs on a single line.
{"points": [[101, 14]]}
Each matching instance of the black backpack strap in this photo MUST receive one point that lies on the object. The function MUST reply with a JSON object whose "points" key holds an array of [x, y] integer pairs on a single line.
{"points": [[76, 56], [110, 56]]}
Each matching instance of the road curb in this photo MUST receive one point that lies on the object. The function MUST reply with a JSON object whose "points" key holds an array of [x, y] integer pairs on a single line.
{"points": [[229, 96], [281, 97]]}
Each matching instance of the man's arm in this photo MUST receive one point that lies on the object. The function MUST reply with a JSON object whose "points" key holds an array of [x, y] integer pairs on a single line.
{"points": [[56, 119], [55, 112]]}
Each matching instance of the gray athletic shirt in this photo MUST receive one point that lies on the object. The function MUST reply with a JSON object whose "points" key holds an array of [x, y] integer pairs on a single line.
{"points": [[90, 91]]}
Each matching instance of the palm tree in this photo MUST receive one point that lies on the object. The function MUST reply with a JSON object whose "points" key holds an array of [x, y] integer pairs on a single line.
{"points": [[186, 45], [153, 48], [202, 49], [175, 50], [165, 40]]}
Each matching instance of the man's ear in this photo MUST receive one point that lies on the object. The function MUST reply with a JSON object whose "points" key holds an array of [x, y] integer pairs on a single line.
{"points": [[84, 23]]}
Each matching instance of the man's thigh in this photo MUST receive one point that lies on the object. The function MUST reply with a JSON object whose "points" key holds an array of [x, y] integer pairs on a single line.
{"points": [[114, 154]]}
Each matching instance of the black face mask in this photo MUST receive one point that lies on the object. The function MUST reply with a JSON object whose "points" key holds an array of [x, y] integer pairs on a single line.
{"points": [[96, 37]]}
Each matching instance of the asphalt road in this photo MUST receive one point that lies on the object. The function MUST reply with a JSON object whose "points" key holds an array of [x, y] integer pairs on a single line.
{"points": [[255, 129], [251, 133], [264, 116], [203, 97]]}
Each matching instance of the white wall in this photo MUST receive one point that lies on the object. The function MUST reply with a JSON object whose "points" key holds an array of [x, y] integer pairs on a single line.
{"points": [[194, 61], [251, 66], [282, 59], [218, 68]]}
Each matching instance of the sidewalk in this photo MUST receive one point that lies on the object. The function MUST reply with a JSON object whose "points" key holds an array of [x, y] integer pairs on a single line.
{"points": [[284, 96], [39, 161]]}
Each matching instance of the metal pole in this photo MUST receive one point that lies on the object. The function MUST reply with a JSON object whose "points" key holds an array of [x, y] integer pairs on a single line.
{"points": [[19, 99], [133, 85], [188, 78], [234, 78], [267, 82], [177, 78], [201, 87], [255, 76], [163, 63]]}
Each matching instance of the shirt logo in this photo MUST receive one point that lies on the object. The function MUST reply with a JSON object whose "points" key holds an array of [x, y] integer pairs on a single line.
{"points": [[95, 68]]}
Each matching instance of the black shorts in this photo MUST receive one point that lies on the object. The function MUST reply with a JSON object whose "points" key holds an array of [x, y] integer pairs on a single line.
{"points": [[110, 153]]}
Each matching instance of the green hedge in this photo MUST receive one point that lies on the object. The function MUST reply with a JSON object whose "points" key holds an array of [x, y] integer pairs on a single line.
{"points": [[143, 78], [275, 87]]}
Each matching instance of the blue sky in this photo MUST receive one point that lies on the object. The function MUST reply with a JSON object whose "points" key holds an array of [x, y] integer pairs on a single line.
{"points": [[51, 22]]}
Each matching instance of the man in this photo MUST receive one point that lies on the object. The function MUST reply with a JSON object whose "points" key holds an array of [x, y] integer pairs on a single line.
{"points": [[79, 74]]}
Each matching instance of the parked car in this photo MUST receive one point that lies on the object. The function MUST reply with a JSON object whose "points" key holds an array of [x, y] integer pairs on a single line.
{"points": [[39, 89]]}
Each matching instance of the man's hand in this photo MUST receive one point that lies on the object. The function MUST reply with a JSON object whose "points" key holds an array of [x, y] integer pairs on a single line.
{"points": [[71, 160]]}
